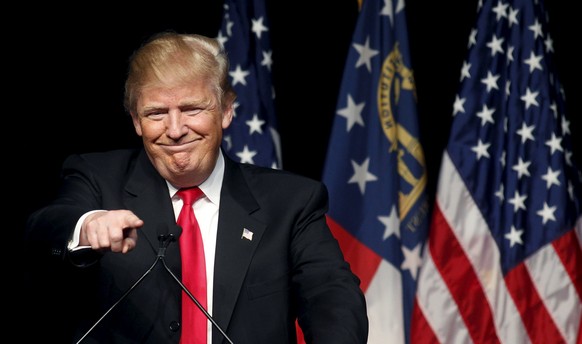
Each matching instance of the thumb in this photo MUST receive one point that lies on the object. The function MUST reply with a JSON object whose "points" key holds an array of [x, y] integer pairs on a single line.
{"points": [[130, 240]]}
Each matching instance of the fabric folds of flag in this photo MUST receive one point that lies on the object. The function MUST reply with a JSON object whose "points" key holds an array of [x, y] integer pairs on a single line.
{"points": [[252, 137], [375, 170], [504, 263]]}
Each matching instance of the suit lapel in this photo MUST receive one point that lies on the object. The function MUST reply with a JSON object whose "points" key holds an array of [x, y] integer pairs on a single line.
{"points": [[146, 194], [239, 234]]}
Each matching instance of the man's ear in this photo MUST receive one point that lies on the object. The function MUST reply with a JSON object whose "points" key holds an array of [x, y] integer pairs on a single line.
{"points": [[228, 113], [136, 123]]}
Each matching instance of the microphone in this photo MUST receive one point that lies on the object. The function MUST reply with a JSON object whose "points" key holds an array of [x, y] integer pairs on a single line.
{"points": [[164, 240], [166, 237]]}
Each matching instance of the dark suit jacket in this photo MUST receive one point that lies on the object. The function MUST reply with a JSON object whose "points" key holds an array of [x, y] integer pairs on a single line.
{"points": [[291, 268]]}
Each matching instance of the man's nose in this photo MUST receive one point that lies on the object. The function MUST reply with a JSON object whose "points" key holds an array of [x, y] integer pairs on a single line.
{"points": [[176, 126]]}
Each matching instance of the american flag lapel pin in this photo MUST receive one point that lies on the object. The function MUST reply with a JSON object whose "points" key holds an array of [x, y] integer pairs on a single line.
{"points": [[246, 234]]}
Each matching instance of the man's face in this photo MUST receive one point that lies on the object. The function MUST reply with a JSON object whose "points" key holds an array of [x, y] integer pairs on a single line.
{"points": [[181, 128]]}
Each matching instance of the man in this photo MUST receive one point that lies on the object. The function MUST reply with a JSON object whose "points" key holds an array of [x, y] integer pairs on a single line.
{"points": [[268, 254]]}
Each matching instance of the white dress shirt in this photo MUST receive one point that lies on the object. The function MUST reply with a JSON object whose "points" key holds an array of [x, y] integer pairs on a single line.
{"points": [[206, 212]]}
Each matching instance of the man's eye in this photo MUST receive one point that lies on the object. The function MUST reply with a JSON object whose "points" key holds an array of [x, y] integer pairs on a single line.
{"points": [[155, 115], [192, 112]]}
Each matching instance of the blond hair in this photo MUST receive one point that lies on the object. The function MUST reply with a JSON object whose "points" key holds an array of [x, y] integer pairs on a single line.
{"points": [[172, 58]]}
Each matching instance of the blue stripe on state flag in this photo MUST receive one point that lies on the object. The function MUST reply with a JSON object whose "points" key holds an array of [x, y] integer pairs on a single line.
{"points": [[375, 170], [507, 222], [252, 136]]}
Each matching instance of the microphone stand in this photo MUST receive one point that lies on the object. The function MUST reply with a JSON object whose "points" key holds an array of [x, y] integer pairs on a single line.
{"points": [[165, 241], [190, 294]]}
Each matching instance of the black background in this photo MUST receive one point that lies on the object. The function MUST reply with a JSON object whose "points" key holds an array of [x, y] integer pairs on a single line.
{"points": [[71, 64], [78, 64]]}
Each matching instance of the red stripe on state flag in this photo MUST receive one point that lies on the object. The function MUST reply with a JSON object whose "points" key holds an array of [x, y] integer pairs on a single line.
{"points": [[462, 281], [363, 261], [539, 325]]}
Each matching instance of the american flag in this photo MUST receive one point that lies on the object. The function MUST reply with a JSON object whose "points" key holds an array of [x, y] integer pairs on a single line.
{"points": [[504, 262], [375, 170], [252, 136]]}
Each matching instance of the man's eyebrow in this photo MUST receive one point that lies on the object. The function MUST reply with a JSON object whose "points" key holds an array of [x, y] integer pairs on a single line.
{"points": [[154, 108], [186, 104]]}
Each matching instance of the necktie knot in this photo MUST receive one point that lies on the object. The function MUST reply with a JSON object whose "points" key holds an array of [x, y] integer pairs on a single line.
{"points": [[190, 195]]}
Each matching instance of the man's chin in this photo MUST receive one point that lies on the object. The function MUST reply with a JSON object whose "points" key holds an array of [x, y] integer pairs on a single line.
{"points": [[180, 162]]}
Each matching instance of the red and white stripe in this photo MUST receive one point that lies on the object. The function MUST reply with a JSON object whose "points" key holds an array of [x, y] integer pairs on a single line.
{"points": [[462, 295]]}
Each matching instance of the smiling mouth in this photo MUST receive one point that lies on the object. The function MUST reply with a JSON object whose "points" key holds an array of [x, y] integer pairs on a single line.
{"points": [[179, 146]]}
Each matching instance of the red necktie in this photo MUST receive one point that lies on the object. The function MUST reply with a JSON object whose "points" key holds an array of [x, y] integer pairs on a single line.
{"points": [[194, 323]]}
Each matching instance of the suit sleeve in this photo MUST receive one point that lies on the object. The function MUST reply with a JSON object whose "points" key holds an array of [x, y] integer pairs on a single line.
{"points": [[49, 229], [332, 307]]}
